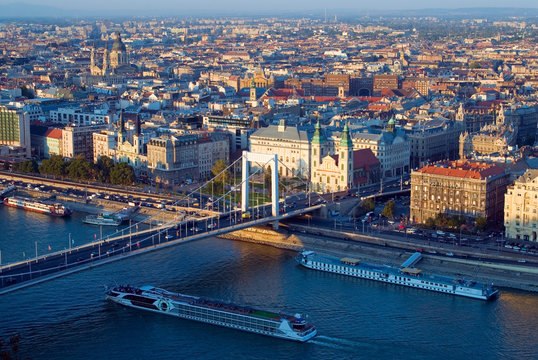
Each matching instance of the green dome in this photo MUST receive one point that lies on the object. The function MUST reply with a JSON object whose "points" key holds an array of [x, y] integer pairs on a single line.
{"points": [[318, 137], [391, 121], [346, 139], [118, 44]]}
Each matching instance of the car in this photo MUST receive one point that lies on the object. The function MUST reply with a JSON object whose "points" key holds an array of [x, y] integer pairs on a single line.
{"points": [[211, 226], [449, 254], [168, 237], [439, 232], [195, 228], [516, 247], [432, 252], [522, 261], [246, 215], [452, 235]]}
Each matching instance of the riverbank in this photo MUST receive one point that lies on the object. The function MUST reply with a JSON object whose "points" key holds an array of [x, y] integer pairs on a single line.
{"points": [[501, 274]]}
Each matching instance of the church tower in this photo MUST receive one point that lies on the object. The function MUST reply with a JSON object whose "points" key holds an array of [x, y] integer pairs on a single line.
{"points": [[105, 61], [253, 90], [346, 160], [121, 129], [391, 126], [318, 142]]}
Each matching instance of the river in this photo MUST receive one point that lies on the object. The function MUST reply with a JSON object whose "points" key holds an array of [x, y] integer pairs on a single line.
{"points": [[68, 318]]}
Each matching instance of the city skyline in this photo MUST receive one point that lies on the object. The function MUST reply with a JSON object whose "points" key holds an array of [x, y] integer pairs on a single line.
{"points": [[169, 7]]}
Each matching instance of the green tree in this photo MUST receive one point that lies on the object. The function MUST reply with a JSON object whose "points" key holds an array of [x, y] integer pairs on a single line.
{"points": [[28, 166], [389, 209], [53, 166], [481, 223], [80, 169], [368, 205], [221, 176], [104, 165], [122, 174], [453, 222]]}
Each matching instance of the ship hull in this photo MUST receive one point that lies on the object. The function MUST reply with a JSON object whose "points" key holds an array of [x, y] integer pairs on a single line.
{"points": [[209, 316], [389, 276], [40, 210]]}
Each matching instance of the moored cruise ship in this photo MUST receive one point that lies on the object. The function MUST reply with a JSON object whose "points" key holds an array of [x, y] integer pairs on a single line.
{"points": [[44, 207], [213, 312], [405, 275], [105, 219]]}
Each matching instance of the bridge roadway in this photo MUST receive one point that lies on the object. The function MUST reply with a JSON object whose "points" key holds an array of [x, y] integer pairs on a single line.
{"points": [[43, 268]]}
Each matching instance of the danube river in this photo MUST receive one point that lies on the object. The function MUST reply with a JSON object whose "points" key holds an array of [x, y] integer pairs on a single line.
{"points": [[68, 318]]}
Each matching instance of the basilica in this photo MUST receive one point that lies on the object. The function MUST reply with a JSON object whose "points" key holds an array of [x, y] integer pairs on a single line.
{"points": [[115, 62]]}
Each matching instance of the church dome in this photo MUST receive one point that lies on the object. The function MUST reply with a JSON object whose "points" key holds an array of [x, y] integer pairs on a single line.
{"points": [[118, 44]]}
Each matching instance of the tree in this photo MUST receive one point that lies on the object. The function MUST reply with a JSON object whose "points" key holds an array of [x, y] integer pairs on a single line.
{"points": [[28, 166], [53, 166], [79, 169], [122, 174], [221, 174], [104, 165], [389, 209], [368, 205], [481, 223]]}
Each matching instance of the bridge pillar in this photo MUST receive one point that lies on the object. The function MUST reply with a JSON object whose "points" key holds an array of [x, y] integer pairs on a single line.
{"points": [[260, 158]]}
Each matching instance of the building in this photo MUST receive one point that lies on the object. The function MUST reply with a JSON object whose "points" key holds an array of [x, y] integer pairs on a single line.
{"points": [[78, 117], [15, 140], [290, 144], [104, 144], [77, 140], [433, 140], [239, 128], [333, 172], [385, 82], [470, 189], [173, 159], [212, 147], [391, 147], [115, 62], [52, 143], [520, 207]]}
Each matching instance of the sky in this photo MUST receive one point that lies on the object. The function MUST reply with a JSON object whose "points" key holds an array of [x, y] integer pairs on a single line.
{"points": [[253, 5]]}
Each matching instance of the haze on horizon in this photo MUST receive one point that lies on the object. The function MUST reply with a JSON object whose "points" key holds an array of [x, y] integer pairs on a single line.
{"points": [[274, 5]]}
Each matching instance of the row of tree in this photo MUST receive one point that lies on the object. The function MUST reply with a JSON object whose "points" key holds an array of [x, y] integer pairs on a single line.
{"points": [[78, 168]]}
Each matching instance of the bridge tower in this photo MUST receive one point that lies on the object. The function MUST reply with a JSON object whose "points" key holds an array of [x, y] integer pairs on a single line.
{"points": [[260, 158]]}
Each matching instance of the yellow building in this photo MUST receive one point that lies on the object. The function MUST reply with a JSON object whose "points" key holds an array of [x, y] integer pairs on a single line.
{"points": [[520, 207]]}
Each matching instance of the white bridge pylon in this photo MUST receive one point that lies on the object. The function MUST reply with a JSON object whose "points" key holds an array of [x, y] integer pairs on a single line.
{"points": [[260, 158]]}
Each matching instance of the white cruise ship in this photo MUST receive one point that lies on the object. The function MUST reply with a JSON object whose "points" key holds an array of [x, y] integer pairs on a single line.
{"points": [[214, 312], [406, 275]]}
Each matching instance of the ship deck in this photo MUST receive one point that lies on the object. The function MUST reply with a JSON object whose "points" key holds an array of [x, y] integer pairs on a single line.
{"points": [[420, 275]]}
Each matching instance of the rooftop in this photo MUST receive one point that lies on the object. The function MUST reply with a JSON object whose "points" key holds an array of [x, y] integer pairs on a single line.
{"points": [[463, 169]]}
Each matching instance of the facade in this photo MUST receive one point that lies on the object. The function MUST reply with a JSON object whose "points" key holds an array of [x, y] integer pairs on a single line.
{"points": [[469, 189], [15, 131], [391, 147], [114, 62], [52, 143], [212, 148], [239, 128], [433, 140], [173, 159], [520, 207], [77, 116], [78, 140], [104, 144], [385, 82], [333, 172], [290, 144]]}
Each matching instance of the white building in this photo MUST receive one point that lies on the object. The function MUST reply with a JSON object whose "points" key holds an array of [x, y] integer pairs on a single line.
{"points": [[520, 207]]}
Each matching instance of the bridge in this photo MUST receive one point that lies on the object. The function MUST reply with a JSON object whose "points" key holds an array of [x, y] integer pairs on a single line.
{"points": [[192, 226]]}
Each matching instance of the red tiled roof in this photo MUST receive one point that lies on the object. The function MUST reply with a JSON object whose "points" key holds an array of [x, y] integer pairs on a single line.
{"points": [[364, 158], [460, 169], [53, 133]]}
